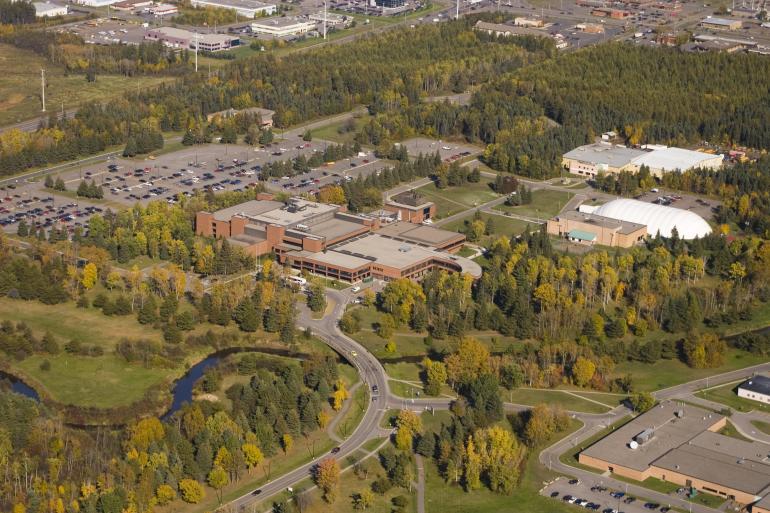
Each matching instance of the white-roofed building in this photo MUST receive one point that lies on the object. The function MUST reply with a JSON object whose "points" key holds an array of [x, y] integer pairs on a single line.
{"points": [[662, 160], [49, 10], [657, 218]]}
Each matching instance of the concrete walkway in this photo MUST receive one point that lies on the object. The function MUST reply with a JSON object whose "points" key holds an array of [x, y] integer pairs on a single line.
{"points": [[420, 483]]}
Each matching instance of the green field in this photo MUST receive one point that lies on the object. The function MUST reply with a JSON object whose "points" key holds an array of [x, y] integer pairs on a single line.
{"points": [[532, 397], [359, 401], [454, 200], [20, 86], [336, 132], [727, 395], [545, 204], [507, 226], [103, 382], [67, 322], [667, 373]]}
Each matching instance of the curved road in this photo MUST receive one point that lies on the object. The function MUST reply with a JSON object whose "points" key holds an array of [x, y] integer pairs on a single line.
{"points": [[373, 374]]}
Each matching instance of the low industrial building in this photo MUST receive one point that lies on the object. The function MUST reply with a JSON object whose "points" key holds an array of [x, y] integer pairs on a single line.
{"points": [[180, 38], [593, 229], [265, 115], [604, 157], [411, 207], [161, 10], [590, 28], [49, 10], [657, 218], [756, 389], [246, 8], [325, 239], [679, 443], [283, 26], [520, 21], [713, 23], [95, 3], [506, 30], [332, 19]]}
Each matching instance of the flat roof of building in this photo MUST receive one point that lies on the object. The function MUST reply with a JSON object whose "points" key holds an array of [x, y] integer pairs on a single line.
{"points": [[717, 467], [604, 153], [281, 21], [419, 233], [399, 254], [410, 199], [249, 208], [607, 223], [671, 159], [758, 384], [669, 431], [241, 4], [334, 228], [719, 21], [333, 258]]}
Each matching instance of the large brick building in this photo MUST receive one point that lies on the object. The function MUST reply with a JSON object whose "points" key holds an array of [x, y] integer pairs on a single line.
{"points": [[325, 239], [680, 444]]}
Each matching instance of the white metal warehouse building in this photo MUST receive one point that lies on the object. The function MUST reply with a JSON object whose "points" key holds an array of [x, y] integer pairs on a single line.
{"points": [[657, 218]]}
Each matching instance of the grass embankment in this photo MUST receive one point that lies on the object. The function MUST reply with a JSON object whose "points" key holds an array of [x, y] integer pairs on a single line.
{"points": [[502, 225], [764, 427], [20, 91]]}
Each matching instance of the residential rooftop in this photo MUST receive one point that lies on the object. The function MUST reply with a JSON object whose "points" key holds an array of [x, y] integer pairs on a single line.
{"points": [[758, 384]]}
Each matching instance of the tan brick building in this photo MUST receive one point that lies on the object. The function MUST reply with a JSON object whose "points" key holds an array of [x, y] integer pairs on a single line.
{"points": [[325, 239], [593, 229]]}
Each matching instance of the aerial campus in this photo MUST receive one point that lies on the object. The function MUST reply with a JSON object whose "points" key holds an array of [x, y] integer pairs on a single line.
{"points": [[384, 255]]}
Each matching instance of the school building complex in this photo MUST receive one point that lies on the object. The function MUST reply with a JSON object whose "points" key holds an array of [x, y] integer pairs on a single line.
{"points": [[327, 240], [680, 443]]}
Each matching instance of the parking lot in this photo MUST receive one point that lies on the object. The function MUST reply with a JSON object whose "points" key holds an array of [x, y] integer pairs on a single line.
{"points": [[704, 208], [597, 497], [447, 150], [214, 167]]}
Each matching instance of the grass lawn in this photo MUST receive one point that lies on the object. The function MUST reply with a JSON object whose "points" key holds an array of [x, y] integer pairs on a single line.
{"points": [[103, 382], [336, 132], [762, 426], [403, 370], [453, 200], [355, 412], [440, 496], [532, 396], [466, 251], [20, 89], [507, 226], [729, 430], [67, 322], [727, 395], [667, 373], [545, 204], [608, 399]]}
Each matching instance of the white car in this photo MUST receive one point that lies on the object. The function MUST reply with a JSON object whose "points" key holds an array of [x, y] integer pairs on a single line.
{"points": [[356, 289]]}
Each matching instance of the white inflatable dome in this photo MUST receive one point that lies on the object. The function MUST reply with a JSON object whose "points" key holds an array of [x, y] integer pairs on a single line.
{"points": [[657, 218]]}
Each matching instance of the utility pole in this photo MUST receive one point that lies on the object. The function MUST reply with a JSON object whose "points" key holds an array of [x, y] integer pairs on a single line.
{"points": [[42, 86], [325, 3], [457, 10], [196, 52]]}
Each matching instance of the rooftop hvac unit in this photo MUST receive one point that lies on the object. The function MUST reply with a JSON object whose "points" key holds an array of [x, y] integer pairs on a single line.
{"points": [[679, 414], [645, 436], [633, 444]]}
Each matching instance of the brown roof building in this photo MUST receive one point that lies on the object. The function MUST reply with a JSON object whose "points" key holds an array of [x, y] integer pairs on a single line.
{"points": [[325, 239], [411, 206], [679, 443]]}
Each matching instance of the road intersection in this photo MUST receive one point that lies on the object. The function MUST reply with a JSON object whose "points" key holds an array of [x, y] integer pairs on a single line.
{"points": [[374, 376]]}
